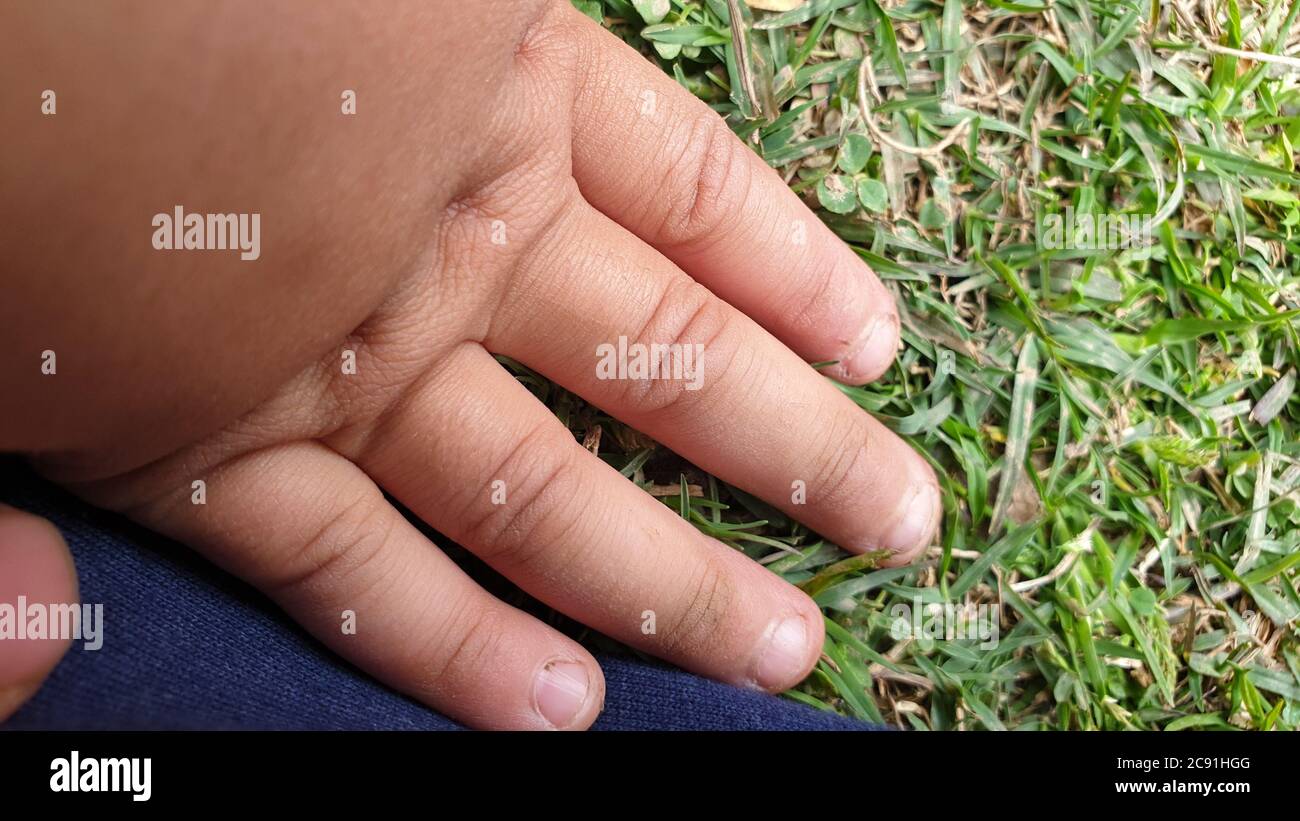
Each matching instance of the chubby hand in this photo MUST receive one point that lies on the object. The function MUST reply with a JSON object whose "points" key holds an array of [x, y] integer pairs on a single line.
{"points": [[514, 181]]}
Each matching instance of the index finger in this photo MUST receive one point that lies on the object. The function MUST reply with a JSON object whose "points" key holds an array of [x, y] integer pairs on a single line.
{"points": [[657, 160]]}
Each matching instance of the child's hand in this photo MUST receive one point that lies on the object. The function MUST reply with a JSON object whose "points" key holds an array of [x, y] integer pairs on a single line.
{"points": [[514, 181]]}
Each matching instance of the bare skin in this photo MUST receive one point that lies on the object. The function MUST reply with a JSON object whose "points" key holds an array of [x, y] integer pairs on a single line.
{"points": [[515, 181]]}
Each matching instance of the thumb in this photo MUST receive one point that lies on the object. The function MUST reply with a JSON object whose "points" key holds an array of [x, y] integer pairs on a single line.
{"points": [[34, 564]]}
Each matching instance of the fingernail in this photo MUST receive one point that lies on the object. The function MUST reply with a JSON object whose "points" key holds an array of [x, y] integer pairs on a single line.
{"points": [[784, 655], [915, 527], [869, 356], [561, 690]]}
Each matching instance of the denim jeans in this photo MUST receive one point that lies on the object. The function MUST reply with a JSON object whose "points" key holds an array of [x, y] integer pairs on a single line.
{"points": [[186, 646]]}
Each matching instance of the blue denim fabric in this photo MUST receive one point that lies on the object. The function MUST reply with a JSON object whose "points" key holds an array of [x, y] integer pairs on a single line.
{"points": [[189, 647]]}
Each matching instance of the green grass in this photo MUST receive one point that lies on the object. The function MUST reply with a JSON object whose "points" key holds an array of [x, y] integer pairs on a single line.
{"points": [[1115, 431]]}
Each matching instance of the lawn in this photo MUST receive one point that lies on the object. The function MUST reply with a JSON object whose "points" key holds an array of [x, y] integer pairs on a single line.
{"points": [[1089, 214]]}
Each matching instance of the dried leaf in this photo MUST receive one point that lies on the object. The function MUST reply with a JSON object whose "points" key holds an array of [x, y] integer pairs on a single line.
{"points": [[775, 5], [1272, 402]]}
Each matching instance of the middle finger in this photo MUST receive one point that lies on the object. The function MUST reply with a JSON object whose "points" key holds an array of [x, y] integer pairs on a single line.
{"points": [[585, 309]]}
